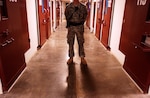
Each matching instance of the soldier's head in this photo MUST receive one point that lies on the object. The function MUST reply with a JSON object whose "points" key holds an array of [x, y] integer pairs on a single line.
{"points": [[82, 1], [76, 1]]}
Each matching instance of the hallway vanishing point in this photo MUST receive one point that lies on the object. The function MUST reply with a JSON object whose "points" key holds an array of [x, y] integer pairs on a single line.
{"points": [[47, 74]]}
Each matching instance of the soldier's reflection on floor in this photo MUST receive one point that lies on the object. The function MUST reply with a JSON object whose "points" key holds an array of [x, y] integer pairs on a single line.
{"points": [[88, 81], [71, 80]]}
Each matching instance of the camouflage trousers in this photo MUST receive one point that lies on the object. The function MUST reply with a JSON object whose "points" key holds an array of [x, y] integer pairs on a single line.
{"points": [[77, 31]]}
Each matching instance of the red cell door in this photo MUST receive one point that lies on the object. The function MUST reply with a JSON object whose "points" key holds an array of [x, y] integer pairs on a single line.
{"points": [[99, 18], [88, 15], [135, 26], [44, 21], [14, 40], [106, 22], [103, 20], [57, 13], [48, 19]]}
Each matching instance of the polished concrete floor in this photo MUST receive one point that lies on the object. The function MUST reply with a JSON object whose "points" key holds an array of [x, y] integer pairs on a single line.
{"points": [[48, 76]]}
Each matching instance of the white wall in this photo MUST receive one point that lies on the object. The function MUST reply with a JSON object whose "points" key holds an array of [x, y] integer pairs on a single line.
{"points": [[1, 89], [32, 25], [149, 90], [116, 30], [91, 16], [63, 9]]}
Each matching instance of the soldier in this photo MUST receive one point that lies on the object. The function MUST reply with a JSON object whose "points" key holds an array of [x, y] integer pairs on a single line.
{"points": [[76, 14]]}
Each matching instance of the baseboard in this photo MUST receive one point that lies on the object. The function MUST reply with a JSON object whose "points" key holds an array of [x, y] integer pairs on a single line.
{"points": [[16, 80], [133, 81]]}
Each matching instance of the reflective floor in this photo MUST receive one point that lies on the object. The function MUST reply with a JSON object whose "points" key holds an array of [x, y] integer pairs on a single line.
{"points": [[48, 76]]}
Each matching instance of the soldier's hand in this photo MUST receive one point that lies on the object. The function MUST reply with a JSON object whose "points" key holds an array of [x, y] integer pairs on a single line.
{"points": [[76, 8]]}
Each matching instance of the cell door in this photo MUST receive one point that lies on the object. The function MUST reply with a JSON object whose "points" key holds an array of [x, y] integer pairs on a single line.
{"points": [[136, 25], [107, 10], [44, 21], [99, 18], [48, 15], [57, 13], [88, 15], [14, 40]]}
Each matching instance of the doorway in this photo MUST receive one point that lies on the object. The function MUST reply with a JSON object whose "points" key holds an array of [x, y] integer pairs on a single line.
{"points": [[132, 43], [14, 40], [44, 21], [103, 21]]}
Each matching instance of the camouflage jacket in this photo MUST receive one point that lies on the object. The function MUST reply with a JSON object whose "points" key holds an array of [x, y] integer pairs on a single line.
{"points": [[76, 13]]}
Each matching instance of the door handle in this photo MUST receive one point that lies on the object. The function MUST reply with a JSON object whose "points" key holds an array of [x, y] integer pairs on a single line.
{"points": [[8, 41], [4, 44], [99, 20], [44, 21], [104, 22]]}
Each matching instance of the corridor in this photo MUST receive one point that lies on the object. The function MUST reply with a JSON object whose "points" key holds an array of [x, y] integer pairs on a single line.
{"points": [[48, 76]]}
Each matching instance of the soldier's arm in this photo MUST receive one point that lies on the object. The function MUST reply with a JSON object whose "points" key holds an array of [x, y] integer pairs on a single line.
{"points": [[68, 13], [85, 13]]}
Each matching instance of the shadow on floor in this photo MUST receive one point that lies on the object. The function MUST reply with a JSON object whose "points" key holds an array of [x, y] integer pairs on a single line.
{"points": [[87, 79], [71, 82]]}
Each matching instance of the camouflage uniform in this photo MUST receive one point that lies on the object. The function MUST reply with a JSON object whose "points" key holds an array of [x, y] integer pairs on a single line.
{"points": [[75, 16]]}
